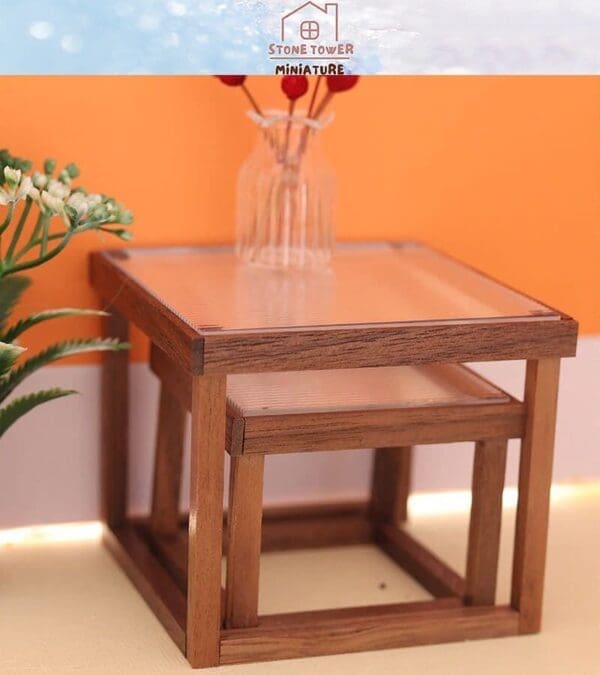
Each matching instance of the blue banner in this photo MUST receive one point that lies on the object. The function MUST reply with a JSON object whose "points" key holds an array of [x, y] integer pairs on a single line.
{"points": [[268, 36]]}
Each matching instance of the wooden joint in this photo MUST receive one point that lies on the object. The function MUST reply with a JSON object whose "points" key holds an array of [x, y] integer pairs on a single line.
{"points": [[419, 562]]}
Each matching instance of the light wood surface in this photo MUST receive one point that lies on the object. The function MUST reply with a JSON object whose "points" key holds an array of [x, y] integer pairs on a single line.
{"points": [[535, 477], [206, 521], [168, 462], [489, 468]]}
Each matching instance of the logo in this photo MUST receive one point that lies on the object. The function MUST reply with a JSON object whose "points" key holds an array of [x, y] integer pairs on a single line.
{"points": [[308, 20], [310, 33]]}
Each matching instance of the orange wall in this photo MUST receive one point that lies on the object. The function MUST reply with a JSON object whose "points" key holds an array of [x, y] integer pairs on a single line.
{"points": [[503, 172]]}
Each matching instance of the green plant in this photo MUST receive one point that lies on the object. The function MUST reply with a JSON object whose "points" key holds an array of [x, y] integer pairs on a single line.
{"points": [[28, 240]]}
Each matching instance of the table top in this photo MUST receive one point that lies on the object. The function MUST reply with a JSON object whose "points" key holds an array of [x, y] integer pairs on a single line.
{"points": [[373, 286]]}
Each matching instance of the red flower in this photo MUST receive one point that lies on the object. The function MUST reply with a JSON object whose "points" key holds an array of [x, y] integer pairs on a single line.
{"points": [[338, 83], [294, 86], [232, 80]]}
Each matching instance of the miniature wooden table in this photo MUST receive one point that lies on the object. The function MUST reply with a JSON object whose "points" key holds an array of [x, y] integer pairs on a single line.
{"points": [[378, 305]]}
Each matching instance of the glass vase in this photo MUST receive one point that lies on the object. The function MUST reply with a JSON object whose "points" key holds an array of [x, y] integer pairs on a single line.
{"points": [[285, 195]]}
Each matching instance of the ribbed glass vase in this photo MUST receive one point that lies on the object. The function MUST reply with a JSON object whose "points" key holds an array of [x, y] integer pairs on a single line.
{"points": [[285, 195]]}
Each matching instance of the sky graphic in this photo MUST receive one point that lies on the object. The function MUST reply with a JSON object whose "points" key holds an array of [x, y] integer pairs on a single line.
{"points": [[232, 36]]}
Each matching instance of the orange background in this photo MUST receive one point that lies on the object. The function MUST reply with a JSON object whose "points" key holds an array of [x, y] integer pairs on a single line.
{"points": [[503, 172]]}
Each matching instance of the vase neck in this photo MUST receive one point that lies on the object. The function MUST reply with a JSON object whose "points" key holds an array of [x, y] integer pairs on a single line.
{"points": [[290, 139]]}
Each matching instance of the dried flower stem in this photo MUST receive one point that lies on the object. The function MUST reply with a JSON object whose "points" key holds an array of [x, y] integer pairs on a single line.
{"points": [[321, 107], [19, 229], [252, 100], [313, 98], [309, 115]]}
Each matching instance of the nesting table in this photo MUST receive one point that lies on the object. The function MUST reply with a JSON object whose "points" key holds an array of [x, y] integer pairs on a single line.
{"points": [[379, 305]]}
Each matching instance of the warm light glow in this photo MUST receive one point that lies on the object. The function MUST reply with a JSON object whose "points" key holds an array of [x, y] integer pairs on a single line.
{"points": [[459, 501], [420, 504], [45, 534]]}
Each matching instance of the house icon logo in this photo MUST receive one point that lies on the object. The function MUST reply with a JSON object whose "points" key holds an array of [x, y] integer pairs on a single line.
{"points": [[310, 43], [310, 22]]}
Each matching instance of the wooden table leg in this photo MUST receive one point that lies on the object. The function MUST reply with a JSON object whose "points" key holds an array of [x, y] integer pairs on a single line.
{"points": [[390, 486], [206, 520], [115, 424], [489, 468], [244, 520], [164, 517], [535, 476]]}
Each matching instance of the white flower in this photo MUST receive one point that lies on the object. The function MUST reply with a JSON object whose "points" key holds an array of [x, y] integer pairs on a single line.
{"points": [[58, 189], [52, 202], [24, 188], [17, 186], [12, 177], [40, 180], [79, 202], [34, 193]]}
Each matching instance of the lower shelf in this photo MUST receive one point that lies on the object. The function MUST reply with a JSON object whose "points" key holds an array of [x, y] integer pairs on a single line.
{"points": [[415, 624], [158, 568]]}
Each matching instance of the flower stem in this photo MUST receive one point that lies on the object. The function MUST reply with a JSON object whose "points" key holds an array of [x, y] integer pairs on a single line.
{"points": [[36, 242], [43, 258], [19, 229], [45, 233], [313, 98], [328, 96], [253, 102], [311, 107], [9, 215]]}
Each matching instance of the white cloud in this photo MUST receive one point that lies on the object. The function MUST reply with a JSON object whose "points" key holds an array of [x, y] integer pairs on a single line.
{"points": [[71, 44], [41, 30], [177, 8]]}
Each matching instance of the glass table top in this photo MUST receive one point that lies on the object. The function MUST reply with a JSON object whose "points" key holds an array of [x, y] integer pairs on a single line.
{"points": [[366, 284]]}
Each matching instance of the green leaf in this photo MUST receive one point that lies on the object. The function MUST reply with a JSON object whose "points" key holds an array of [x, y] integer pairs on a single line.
{"points": [[49, 166], [21, 326], [11, 289], [7, 159], [22, 405], [72, 169], [8, 356], [53, 353], [120, 232]]}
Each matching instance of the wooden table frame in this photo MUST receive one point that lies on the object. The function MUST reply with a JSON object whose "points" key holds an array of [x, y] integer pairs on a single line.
{"points": [[195, 622]]}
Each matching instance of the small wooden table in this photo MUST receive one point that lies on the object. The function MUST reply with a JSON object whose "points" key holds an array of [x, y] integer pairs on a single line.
{"points": [[381, 304]]}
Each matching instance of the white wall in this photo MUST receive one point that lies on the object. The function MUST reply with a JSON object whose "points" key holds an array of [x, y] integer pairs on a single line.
{"points": [[49, 462]]}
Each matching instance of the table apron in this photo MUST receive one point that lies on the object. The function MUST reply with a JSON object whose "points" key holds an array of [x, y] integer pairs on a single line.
{"points": [[357, 347]]}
